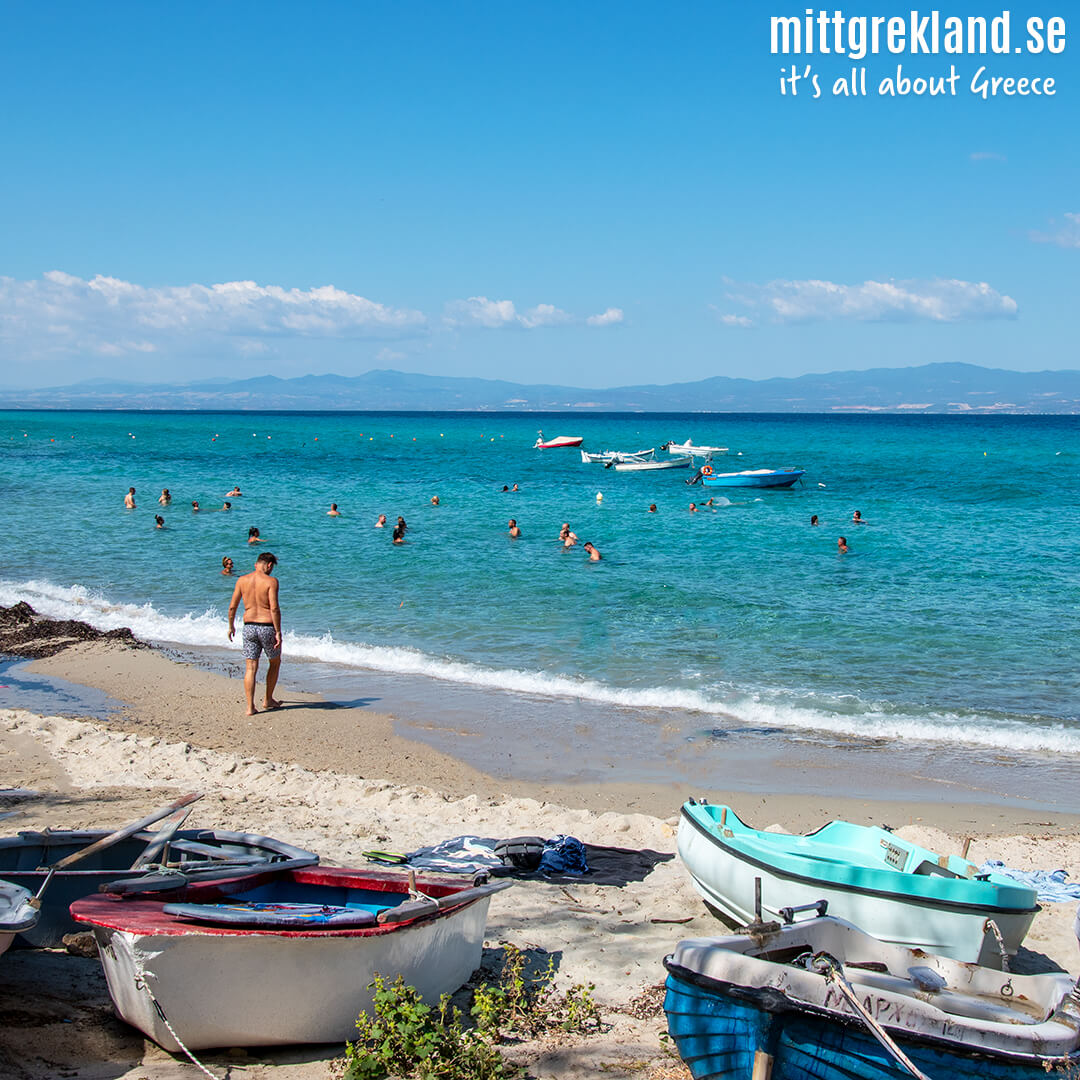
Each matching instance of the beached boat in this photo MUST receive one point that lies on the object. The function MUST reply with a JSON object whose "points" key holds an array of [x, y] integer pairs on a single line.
{"points": [[284, 957], [751, 478], [188, 855], [605, 456], [694, 451], [895, 890], [823, 1000], [559, 440], [644, 465], [17, 913]]}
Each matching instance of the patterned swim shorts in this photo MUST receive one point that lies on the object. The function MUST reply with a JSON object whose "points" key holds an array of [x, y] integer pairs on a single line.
{"points": [[259, 638]]}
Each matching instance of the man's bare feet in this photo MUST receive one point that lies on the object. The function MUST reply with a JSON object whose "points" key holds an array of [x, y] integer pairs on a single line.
{"points": [[252, 711], [272, 704]]}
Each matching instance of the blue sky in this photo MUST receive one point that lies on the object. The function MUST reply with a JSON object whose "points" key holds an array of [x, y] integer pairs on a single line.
{"points": [[588, 193]]}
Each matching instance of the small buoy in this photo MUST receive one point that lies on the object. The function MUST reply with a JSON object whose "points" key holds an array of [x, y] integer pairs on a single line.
{"points": [[441, 435], [820, 484], [599, 496], [414, 438], [402, 604], [984, 453]]}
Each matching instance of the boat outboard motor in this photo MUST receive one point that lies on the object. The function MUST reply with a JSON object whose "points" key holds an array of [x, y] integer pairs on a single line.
{"points": [[696, 478]]}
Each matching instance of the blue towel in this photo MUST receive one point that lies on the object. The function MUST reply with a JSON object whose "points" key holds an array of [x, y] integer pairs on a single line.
{"points": [[468, 854], [1049, 884]]}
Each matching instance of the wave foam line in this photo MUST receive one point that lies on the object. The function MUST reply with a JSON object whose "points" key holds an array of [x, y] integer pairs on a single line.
{"points": [[848, 718]]}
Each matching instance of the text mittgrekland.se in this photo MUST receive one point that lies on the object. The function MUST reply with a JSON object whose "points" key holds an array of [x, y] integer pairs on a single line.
{"points": [[832, 33]]}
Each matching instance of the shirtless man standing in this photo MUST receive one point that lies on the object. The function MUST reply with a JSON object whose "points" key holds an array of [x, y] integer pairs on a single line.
{"points": [[262, 627]]}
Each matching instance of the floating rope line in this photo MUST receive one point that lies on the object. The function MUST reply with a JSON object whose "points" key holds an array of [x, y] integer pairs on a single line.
{"points": [[829, 966]]}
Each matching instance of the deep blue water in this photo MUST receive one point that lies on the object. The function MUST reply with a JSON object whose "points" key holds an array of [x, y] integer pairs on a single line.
{"points": [[953, 617]]}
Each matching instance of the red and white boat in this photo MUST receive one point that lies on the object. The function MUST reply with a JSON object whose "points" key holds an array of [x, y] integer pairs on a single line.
{"points": [[282, 957], [559, 440]]}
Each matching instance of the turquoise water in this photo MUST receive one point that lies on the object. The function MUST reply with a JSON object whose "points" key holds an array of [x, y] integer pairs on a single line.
{"points": [[952, 619]]}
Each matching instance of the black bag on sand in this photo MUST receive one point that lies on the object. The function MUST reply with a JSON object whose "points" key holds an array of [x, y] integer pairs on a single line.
{"points": [[521, 852]]}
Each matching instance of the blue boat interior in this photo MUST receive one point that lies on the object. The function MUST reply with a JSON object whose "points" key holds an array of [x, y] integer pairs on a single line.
{"points": [[328, 896]]}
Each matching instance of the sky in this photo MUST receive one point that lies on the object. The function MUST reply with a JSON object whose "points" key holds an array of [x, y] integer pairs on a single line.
{"points": [[588, 193]]}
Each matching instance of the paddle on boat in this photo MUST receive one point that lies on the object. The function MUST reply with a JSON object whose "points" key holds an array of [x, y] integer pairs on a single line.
{"points": [[59, 867]]}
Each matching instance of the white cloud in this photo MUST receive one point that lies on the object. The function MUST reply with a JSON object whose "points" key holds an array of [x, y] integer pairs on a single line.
{"points": [[987, 155], [939, 300], [735, 320], [112, 317], [1065, 234], [609, 317], [479, 311]]}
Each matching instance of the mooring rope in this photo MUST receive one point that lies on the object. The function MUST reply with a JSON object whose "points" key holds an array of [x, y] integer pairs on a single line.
{"points": [[142, 983]]}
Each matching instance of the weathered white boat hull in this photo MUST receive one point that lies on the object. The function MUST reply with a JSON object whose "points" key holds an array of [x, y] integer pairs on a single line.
{"points": [[278, 988]]}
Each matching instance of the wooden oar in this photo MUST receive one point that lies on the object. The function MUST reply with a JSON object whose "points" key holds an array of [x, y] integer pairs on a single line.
{"points": [[414, 909], [112, 838], [161, 838]]}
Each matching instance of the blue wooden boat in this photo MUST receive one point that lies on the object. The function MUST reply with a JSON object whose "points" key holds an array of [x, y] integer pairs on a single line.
{"points": [[751, 478], [190, 855], [897, 891], [821, 1000]]}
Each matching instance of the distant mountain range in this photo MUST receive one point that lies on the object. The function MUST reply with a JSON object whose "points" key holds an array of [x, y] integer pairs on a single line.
{"points": [[932, 388]]}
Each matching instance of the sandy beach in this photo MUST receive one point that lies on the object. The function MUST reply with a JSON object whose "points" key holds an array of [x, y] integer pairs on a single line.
{"points": [[339, 781]]}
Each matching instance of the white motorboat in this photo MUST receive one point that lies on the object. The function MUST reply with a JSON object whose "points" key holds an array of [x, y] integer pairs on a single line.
{"points": [[643, 465], [605, 456], [694, 451]]}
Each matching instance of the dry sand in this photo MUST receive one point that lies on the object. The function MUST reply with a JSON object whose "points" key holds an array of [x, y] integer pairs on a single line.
{"points": [[339, 781]]}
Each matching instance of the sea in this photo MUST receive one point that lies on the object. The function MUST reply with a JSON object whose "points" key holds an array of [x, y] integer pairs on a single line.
{"points": [[732, 647]]}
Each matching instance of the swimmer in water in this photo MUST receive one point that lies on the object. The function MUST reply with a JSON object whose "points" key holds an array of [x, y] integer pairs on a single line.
{"points": [[398, 535], [434, 500], [515, 532], [333, 511], [194, 507], [841, 545], [226, 565], [857, 519], [253, 536], [159, 522], [693, 508], [225, 506], [652, 508], [235, 491], [594, 555], [164, 498], [813, 519], [380, 522], [401, 524], [129, 499]]}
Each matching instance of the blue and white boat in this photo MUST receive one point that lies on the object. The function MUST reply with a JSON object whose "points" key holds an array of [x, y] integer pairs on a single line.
{"points": [[821, 1000], [895, 890], [751, 478], [18, 913]]}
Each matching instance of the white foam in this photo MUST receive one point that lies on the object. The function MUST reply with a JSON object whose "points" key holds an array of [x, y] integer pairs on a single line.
{"points": [[845, 717]]}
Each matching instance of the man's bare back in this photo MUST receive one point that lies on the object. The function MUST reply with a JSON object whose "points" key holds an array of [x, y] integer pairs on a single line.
{"points": [[258, 591]]}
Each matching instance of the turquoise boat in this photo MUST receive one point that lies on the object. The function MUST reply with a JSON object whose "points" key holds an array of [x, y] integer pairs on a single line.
{"points": [[896, 891], [751, 478], [821, 1000]]}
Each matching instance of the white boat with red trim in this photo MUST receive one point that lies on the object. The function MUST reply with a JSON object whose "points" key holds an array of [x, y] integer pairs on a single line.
{"points": [[285, 957], [559, 440]]}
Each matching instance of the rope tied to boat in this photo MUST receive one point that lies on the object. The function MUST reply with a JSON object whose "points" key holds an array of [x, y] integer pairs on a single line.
{"points": [[142, 983], [824, 964], [991, 927]]}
